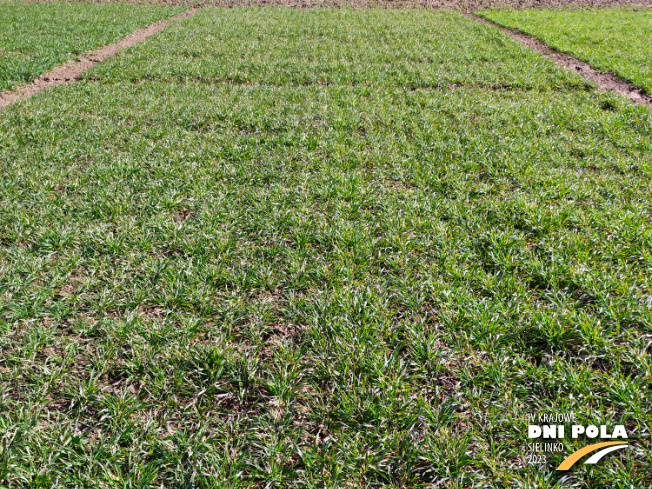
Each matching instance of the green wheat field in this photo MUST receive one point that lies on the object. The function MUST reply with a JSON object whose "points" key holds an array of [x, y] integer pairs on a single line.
{"points": [[280, 248]]}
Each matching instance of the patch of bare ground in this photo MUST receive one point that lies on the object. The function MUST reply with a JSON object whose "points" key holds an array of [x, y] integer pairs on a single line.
{"points": [[72, 70], [605, 81], [463, 5]]}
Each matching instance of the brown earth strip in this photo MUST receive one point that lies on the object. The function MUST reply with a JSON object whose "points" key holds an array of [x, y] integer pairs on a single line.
{"points": [[462, 5], [605, 81], [72, 70]]}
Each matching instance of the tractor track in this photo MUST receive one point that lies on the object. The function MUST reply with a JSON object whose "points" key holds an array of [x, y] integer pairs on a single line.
{"points": [[608, 82], [72, 70]]}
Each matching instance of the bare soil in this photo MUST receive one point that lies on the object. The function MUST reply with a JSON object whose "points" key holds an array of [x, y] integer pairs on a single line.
{"points": [[463, 5], [72, 70], [605, 81]]}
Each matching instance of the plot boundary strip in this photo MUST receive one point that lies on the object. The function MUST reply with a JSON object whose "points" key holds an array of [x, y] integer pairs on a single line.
{"points": [[72, 70], [605, 81]]}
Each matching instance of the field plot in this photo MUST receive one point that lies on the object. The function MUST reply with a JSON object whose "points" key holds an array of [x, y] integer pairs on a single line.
{"points": [[615, 41], [247, 254], [35, 37]]}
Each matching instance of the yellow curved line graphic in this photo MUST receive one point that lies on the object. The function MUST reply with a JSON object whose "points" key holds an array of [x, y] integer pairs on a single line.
{"points": [[574, 457]]}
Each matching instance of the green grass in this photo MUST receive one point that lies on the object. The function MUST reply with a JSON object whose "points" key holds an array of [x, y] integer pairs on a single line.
{"points": [[35, 37], [611, 40], [237, 271], [339, 48]]}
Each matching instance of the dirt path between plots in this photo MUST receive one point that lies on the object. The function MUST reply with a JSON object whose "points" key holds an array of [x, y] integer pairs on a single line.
{"points": [[72, 70], [605, 81], [462, 5]]}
